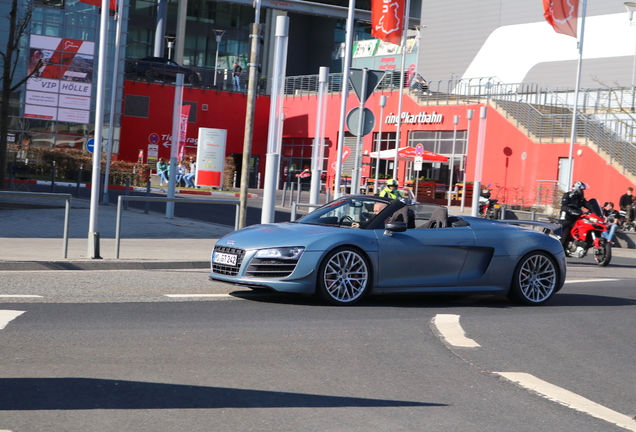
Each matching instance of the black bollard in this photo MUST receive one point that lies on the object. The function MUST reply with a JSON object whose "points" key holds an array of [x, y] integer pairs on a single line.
{"points": [[147, 194], [53, 177], [127, 193], [79, 180]]}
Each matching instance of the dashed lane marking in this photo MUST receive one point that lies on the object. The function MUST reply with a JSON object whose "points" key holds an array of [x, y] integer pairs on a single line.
{"points": [[450, 329], [7, 316], [569, 399], [19, 296], [590, 280]]}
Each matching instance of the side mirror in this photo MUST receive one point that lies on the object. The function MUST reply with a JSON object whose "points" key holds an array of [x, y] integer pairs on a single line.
{"points": [[392, 227]]}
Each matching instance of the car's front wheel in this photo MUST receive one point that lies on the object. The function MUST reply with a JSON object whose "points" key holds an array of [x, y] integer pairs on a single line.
{"points": [[150, 74], [344, 276], [535, 279]]}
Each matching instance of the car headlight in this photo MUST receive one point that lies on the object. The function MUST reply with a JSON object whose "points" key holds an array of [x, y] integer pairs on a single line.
{"points": [[290, 253]]}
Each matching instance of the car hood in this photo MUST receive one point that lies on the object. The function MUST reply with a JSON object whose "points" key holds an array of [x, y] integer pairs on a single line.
{"points": [[279, 234]]}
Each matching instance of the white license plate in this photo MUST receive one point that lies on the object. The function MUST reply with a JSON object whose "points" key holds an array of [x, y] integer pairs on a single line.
{"points": [[223, 258]]}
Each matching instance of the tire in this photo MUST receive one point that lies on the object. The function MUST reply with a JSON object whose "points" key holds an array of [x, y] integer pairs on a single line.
{"points": [[193, 78], [150, 74], [535, 279], [344, 277], [604, 255]]}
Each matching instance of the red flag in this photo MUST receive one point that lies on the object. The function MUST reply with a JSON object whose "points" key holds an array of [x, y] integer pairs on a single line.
{"points": [[183, 128], [386, 20], [562, 15], [98, 3]]}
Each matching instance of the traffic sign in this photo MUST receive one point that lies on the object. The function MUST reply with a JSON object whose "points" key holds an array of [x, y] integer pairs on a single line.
{"points": [[419, 149], [417, 165], [90, 145], [353, 121], [373, 79]]}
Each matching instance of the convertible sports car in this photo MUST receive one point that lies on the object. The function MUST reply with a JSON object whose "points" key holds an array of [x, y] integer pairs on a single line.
{"points": [[362, 244]]}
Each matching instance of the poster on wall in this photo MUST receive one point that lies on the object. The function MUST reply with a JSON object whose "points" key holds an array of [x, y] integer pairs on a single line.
{"points": [[153, 154], [211, 157], [63, 82]]}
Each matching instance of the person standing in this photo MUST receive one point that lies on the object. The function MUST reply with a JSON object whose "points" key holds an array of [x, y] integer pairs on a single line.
{"points": [[571, 205], [236, 74], [626, 204], [190, 178]]}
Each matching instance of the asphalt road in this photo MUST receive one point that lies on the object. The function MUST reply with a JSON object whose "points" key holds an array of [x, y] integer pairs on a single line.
{"points": [[111, 351]]}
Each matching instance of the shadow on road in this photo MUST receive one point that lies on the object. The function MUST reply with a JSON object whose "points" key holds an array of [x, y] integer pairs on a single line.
{"points": [[20, 394]]}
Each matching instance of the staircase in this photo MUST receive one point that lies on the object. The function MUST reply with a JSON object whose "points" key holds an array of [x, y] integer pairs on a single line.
{"points": [[553, 124]]}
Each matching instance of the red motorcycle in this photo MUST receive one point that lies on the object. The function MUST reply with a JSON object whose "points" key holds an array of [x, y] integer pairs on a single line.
{"points": [[586, 234]]}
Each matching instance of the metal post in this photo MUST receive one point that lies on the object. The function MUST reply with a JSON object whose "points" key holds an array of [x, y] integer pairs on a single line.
{"points": [[451, 162], [67, 216], [174, 146], [469, 116], [379, 146], [355, 177], [300, 186], [291, 192], [111, 129], [401, 93], [282, 201], [275, 119], [53, 177], [79, 180], [293, 212], [93, 235], [479, 160], [216, 58], [127, 193], [318, 151], [147, 209]]}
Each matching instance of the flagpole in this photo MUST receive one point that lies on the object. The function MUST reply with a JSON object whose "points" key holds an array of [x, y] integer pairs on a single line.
{"points": [[576, 99], [405, 28]]}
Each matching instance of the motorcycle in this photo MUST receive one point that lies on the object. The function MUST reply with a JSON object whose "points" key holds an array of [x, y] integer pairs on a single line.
{"points": [[625, 224], [488, 207], [586, 235]]}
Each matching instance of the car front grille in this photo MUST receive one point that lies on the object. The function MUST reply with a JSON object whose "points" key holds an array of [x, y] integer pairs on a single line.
{"points": [[270, 268], [228, 270]]}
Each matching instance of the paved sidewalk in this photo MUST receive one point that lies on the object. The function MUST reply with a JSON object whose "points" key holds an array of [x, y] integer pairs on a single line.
{"points": [[32, 238]]}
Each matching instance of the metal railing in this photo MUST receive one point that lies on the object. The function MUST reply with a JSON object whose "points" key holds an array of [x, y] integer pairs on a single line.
{"points": [[122, 198], [67, 212]]}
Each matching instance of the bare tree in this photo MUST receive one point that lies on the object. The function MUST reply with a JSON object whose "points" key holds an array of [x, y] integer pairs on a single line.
{"points": [[19, 25]]}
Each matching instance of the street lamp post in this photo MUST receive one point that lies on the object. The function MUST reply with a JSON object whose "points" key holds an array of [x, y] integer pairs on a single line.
{"points": [[219, 35]]}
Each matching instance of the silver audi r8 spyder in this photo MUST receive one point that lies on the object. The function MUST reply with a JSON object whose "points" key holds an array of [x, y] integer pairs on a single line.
{"points": [[360, 244]]}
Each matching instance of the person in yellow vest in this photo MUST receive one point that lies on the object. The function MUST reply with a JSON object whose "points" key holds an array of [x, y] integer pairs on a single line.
{"points": [[391, 190]]}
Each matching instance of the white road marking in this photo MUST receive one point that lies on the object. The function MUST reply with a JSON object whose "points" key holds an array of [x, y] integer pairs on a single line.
{"points": [[569, 399], [8, 315], [450, 329], [590, 280], [19, 296], [197, 295]]}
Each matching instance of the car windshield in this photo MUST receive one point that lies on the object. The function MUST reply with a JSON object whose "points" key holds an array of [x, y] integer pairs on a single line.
{"points": [[362, 211], [349, 212]]}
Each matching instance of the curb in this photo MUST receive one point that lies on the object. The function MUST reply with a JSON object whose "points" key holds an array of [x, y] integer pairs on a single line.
{"points": [[101, 265]]}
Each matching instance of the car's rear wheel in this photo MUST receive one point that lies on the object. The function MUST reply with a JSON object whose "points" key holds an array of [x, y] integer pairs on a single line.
{"points": [[535, 279], [193, 78], [150, 74], [344, 277]]}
